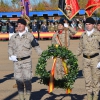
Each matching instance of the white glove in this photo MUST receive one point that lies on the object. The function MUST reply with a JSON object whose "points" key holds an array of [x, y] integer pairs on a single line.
{"points": [[13, 58], [98, 65]]}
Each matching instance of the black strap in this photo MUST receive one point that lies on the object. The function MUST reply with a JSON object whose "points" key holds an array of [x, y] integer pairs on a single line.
{"points": [[19, 59], [91, 56]]}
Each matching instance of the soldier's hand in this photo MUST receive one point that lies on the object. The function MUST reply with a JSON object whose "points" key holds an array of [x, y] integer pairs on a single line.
{"points": [[13, 58], [98, 65]]}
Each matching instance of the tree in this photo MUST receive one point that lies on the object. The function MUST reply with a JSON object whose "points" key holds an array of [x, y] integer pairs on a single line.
{"points": [[4, 7], [15, 3], [82, 3], [54, 4], [40, 7]]}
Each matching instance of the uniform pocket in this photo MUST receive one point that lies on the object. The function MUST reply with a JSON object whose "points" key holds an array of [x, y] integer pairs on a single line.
{"points": [[27, 44]]}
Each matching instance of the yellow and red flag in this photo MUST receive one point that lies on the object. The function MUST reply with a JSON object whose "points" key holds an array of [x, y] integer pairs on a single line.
{"points": [[69, 7], [92, 6], [51, 83]]}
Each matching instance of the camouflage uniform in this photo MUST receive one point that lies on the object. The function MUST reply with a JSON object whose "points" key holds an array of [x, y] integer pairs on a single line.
{"points": [[21, 47], [69, 31], [64, 38], [89, 46], [56, 26]]}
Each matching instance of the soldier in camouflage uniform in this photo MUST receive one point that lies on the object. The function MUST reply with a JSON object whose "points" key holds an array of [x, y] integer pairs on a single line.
{"points": [[62, 37], [20, 51], [51, 28], [89, 46], [56, 26]]}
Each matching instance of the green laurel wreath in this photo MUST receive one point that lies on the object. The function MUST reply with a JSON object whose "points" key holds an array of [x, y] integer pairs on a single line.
{"points": [[68, 79]]}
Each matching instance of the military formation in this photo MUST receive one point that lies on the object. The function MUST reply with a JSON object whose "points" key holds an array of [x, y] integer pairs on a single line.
{"points": [[20, 50]]}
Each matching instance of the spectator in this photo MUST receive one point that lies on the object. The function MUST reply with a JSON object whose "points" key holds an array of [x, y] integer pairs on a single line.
{"points": [[11, 28], [80, 26], [44, 27], [51, 27], [34, 27], [4, 28], [66, 24], [73, 25]]}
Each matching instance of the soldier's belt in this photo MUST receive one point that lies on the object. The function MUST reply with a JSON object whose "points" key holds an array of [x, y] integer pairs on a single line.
{"points": [[19, 59], [90, 56]]}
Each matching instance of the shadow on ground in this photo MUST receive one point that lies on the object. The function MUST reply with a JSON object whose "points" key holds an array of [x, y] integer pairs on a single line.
{"points": [[43, 93], [6, 77], [37, 95], [11, 96], [80, 74]]}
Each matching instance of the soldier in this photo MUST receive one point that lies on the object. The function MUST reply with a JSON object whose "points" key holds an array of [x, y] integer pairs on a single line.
{"points": [[34, 27], [80, 26], [56, 26], [51, 28], [20, 50], [44, 27], [89, 46], [61, 37]]}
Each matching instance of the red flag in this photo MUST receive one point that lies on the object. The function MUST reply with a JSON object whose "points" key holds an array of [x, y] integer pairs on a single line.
{"points": [[92, 3], [92, 6], [91, 10], [70, 8]]}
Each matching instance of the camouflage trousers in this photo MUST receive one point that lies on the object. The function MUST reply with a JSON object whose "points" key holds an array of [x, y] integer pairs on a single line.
{"points": [[22, 70], [91, 75], [23, 76], [59, 68]]}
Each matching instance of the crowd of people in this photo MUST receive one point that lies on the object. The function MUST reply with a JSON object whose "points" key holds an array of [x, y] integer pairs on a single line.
{"points": [[41, 26]]}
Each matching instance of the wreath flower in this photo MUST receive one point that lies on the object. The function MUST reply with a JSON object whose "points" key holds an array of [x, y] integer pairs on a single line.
{"points": [[68, 59]]}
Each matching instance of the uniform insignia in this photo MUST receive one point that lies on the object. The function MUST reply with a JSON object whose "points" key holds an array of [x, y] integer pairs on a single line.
{"points": [[25, 36]]}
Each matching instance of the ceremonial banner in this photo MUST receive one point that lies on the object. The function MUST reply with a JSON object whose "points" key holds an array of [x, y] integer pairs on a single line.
{"points": [[25, 7], [92, 3], [91, 10], [92, 6], [69, 7]]}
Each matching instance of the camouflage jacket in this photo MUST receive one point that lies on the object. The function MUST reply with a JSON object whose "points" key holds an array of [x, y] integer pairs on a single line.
{"points": [[89, 45], [64, 37], [22, 46]]}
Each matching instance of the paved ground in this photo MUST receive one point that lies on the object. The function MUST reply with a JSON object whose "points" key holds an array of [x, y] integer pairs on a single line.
{"points": [[39, 91]]}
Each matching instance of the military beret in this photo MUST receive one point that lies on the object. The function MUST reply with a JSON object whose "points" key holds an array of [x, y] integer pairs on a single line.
{"points": [[90, 20], [98, 22], [22, 21]]}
